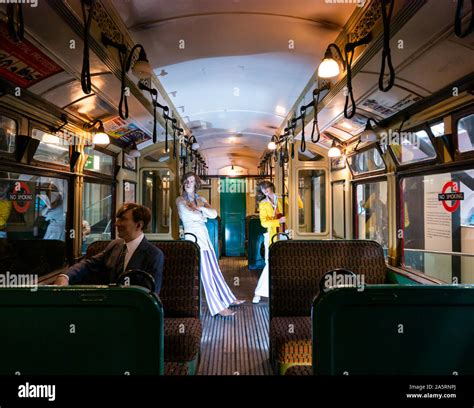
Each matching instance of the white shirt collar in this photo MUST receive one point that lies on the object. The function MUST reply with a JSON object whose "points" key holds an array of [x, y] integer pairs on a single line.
{"points": [[133, 244], [131, 248]]}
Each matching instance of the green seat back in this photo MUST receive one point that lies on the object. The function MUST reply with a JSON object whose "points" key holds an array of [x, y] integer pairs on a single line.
{"points": [[394, 329], [81, 330]]}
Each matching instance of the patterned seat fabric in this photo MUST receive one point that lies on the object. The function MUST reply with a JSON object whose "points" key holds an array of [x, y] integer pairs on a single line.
{"points": [[180, 298], [176, 369], [299, 370], [182, 338], [95, 247], [291, 339], [180, 288], [296, 268]]}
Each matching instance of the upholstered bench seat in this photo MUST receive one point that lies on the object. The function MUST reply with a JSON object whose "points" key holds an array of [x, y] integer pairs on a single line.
{"points": [[300, 370], [180, 297], [182, 338], [173, 368], [296, 268], [291, 340]]}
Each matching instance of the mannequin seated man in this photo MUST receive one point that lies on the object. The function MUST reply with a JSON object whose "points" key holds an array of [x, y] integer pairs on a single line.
{"points": [[131, 251]]}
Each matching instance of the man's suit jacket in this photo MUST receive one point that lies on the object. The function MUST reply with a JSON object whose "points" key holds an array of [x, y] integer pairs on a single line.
{"points": [[103, 266]]}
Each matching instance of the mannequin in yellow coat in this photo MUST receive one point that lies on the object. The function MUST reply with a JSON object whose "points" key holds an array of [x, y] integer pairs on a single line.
{"points": [[270, 209], [5, 209]]}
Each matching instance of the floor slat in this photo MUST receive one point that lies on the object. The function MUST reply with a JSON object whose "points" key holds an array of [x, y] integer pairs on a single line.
{"points": [[236, 345]]}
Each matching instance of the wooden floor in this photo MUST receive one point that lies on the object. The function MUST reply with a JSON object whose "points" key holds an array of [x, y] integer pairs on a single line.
{"points": [[236, 345]]}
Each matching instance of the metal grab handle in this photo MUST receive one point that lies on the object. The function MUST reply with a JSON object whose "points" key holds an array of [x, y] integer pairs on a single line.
{"points": [[323, 288], [281, 233], [131, 273]]}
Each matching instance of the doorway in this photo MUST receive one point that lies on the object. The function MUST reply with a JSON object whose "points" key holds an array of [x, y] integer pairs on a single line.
{"points": [[233, 210]]}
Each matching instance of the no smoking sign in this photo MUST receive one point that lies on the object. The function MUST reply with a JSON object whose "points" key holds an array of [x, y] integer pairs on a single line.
{"points": [[454, 196]]}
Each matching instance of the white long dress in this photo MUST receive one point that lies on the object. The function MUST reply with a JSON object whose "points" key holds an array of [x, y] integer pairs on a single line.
{"points": [[57, 225], [218, 293]]}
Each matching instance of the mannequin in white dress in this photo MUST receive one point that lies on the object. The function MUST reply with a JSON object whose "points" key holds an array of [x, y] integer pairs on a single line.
{"points": [[193, 211]]}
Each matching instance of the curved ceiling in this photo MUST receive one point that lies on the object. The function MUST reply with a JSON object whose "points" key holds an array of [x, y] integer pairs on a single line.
{"points": [[234, 68]]}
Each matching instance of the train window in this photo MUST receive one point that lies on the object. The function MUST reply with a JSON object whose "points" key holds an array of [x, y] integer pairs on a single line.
{"points": [[412, 147], [312, 191], [309, 155], [52, 149], [437, 218], [371, 217], [465, 132], [156, 196], [96, 213], [437, 129], [367, 161], [98, 161], [8, 131], [32, 207]]}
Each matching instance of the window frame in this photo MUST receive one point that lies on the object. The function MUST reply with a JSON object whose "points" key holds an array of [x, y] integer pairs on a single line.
{"points": [[343, 182], [326, 202], [113, 184], [375, 173], [455, 118], [451, 167], [17, 118], [418, 163], [21, 168], [355, 183], [37, 125], [141, 197], [102, 176]]}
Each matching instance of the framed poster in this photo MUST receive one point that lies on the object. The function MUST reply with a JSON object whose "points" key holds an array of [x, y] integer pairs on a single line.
{"points": [[129, 191], [129, 163], [338, 163]]}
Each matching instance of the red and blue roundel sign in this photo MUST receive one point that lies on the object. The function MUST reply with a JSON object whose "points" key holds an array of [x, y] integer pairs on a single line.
{"points": [[454, 196], [21, 197]]}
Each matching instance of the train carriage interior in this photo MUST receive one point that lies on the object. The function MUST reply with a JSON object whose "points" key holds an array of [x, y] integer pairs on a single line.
{"points": [[357, 116]]}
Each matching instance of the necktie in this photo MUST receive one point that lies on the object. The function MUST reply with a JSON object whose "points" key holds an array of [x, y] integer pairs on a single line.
{"points": [[121, 260]]}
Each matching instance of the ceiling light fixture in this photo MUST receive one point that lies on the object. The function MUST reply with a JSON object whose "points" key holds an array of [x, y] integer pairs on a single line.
{"points": [[272, 145], [280, 110], [142, 68], [329, 68], [99, 136], [334, 151]]}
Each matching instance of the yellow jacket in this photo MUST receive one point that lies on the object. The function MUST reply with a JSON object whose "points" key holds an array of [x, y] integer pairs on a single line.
{"points": [[267, 214], [5, 210]]}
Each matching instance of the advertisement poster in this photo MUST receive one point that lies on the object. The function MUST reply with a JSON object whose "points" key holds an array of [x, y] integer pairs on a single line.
{"points": [[125, 131], [22, 63]]}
